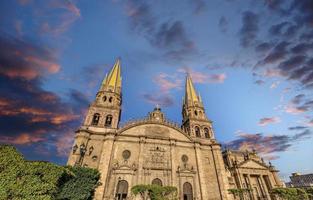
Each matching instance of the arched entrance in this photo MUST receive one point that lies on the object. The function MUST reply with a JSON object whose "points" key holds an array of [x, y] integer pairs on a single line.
{"points": [[121, 190], [157, 181], [187, 191]]}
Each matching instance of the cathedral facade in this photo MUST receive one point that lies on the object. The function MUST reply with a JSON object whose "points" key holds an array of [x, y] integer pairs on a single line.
{"points": [[154, 150]]}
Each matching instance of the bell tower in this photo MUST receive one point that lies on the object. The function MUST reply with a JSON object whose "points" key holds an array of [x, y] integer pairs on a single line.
{"points": [[195, 122], [105, 111]]}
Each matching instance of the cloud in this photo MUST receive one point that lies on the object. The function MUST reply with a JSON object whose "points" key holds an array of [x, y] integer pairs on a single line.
{"points": [[259, 82], [298, 99], [264, 47], [29, 114], [269, 120], [200, 77], [199, 6], [296, 128], [277, 53], [273, 73], [159, 99], [170, 36], [222, 24], [22, 59], [166, 82], [22, 139], [249, 30], [64, 144], [267, 145], [299, 104], [56, 23], [274, 85]]}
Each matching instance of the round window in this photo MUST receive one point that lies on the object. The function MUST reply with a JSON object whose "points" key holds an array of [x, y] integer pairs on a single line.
{"points": [[184, 158], [126, 154]]}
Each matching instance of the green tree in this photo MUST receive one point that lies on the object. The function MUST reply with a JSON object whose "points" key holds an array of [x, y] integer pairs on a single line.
{"points": [[81, 184], [155, 192], [290, 193], [23, 180]]}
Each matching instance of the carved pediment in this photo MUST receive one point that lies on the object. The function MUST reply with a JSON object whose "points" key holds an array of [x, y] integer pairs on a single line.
{"points": [[252, 164]]}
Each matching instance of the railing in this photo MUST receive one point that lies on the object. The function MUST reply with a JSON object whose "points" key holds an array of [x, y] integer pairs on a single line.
{"points": [[147, 120]]}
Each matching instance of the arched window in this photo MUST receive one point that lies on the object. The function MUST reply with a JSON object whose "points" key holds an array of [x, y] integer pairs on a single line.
{"points": [[121, 190], [95, 119], [108, 120], [110, 99], [104, 98], [187, 191], [197, 130], [206, 132], [157, 181], [196, 113]]}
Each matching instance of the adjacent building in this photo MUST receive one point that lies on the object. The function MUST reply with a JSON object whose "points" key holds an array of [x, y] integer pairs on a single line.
{"points": [[298, 180], [154, 150]]}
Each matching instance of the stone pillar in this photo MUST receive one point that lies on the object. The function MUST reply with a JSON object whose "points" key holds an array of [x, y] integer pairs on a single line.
{"points": [[219, 166], [277, 180], [141, 171], [199, 169], [173, 165], [104, 165]]}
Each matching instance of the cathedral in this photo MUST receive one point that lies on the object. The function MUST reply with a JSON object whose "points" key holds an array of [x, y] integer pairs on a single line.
{"points": [[154, 150]]}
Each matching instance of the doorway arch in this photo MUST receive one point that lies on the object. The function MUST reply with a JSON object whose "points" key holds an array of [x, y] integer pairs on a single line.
{"points": [[121, 190], [157, 181], [187, 191]]}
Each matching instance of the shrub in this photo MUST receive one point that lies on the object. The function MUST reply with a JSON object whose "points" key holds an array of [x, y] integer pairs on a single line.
{"points": [[155, 192], [23, 180]]}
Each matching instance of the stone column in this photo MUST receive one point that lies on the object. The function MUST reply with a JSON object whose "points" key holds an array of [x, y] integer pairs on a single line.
{"points": [[173, 165], [221, 175], [140, 179], [104, 165], [199, 168]]}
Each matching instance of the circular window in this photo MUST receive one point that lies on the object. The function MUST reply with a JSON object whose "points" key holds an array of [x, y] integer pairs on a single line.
{"points": [[184, 158], [126, 154]]}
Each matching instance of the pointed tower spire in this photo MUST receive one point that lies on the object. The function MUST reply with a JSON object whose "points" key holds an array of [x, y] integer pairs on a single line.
{"points": [[113, 81], [190, 92]]}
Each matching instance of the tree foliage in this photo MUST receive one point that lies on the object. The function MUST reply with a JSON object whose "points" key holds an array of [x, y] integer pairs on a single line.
{"points": [[155, 192], [290, 193], [80, 185], [21, 179], [240, 192]]}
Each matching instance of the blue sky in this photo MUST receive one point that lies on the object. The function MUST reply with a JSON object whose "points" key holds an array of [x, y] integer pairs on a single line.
{"points": [[251, 61]]}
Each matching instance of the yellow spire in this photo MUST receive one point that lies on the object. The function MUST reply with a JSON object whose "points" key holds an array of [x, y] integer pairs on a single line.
{"points": [[190, 93], [113, 80]]}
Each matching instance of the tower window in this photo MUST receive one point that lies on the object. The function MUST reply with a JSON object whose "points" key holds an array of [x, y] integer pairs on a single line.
{"points": [[104, 98], [108, 120], [95, 119], [110, 99], [197, 130], [196, 113], [206, 132]]}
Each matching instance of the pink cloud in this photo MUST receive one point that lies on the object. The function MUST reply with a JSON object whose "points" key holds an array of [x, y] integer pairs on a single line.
{"points": [[167, 82], [274, 73], [269, 120], [200, 77], [293, 109], [64, 144], [22, 139], [70, 14]]}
